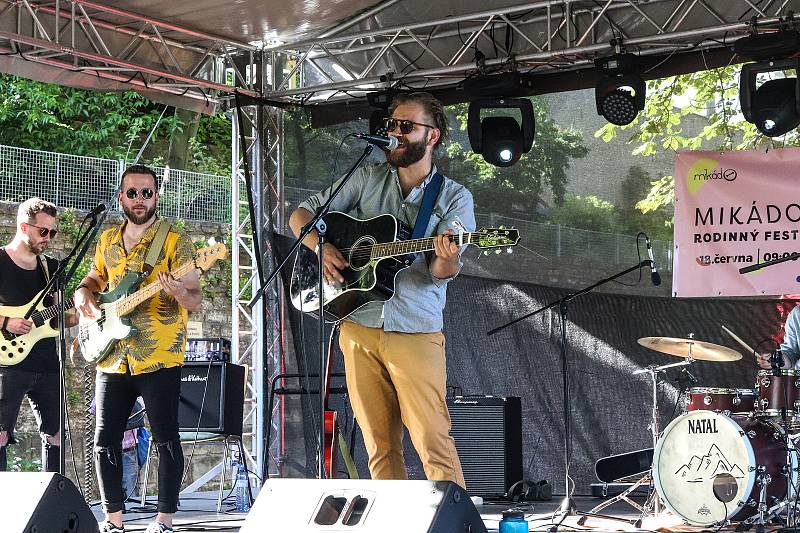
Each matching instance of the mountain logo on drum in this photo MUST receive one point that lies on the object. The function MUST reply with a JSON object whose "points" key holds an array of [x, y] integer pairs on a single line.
{"points": [[708, 466]]}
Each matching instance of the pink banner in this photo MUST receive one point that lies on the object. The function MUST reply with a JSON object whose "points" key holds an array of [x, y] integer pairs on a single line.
{"points": [[733, 209]]}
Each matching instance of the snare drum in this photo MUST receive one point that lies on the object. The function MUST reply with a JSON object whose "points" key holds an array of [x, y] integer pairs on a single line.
{"points": [[778, 393], [706, 466], [716, 399]]}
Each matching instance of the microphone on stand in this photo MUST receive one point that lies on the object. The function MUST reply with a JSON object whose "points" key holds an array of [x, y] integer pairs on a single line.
{"points": [[655, 277], [96, 211], [384, 141]]}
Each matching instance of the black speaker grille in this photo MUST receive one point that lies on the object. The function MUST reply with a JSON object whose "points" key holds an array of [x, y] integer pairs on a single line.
{"points": [[487, 432]]}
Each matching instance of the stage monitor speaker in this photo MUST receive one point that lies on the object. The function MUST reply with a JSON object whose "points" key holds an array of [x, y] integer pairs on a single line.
{"points": [[34, 502], [216, 388], [362, 506], [488, 435]]}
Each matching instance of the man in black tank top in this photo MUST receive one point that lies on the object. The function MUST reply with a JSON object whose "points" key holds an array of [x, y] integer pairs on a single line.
{"points": [[23, 274]]}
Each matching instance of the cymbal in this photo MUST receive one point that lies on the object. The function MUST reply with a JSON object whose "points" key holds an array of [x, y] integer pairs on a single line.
{"points": [[701, 350]]}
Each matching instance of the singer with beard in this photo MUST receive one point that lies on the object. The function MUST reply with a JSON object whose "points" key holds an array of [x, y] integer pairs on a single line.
{"points": [[24, 271], [394, 351], [147, 364]]}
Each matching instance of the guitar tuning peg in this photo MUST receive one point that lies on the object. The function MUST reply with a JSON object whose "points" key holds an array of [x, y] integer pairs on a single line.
{"points": [[486, 252], [509, 250], [498, 250]]}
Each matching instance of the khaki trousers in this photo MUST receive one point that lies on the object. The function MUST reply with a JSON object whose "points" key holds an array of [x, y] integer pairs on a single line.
{"points": [[397, 379]]}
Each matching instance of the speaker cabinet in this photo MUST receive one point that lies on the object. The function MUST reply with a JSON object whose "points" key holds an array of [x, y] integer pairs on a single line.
{"points": [[212, 398], [34, 502], [488, 435], [362, 506]]}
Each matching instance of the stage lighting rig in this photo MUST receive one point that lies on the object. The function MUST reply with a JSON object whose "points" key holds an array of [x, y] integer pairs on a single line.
{"points": [[620, 94], [773, 107], [501, 140]]}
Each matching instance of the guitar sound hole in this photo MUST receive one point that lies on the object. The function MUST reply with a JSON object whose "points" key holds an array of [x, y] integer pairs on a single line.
{"points": [[359, 256]]}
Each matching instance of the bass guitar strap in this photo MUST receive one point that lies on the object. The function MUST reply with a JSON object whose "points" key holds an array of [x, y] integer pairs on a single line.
{"points": [[154, 250]]}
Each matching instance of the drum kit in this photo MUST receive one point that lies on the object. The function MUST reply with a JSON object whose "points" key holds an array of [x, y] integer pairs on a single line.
{"points": [[731, 456]]}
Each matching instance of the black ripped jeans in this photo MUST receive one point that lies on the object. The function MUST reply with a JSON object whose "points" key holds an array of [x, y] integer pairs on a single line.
{"points": [[116, 394]]}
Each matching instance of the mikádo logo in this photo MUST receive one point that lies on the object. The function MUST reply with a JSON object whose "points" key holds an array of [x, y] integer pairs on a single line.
{"points": [[727, 174]]}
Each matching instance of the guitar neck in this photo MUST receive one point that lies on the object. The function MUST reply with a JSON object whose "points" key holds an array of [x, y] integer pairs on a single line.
{"points": [[396, 248], [129, 303], [50, 312]]}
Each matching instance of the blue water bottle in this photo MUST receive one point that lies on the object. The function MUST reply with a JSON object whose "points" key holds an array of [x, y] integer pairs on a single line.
{"points": [[513, 522], [242, 496]]}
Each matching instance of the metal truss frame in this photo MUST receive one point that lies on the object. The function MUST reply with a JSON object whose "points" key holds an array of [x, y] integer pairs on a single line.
{"points": [[121, 46], [552, 35], [257, 327]]}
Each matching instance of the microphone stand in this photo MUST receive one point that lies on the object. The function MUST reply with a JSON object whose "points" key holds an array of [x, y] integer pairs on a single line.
{"points": [[317, 223], [567, 507], [59, 280]]}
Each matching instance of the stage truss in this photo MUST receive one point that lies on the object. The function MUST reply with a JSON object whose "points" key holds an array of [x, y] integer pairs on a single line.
{"points": [[549, 36]]}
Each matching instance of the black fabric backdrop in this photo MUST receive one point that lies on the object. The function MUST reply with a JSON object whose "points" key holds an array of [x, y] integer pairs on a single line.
{"points": [[610, 406]]}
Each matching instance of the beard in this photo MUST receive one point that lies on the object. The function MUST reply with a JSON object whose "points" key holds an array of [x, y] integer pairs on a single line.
{"points": [[412, 152], [139, 219], [38, 248]]}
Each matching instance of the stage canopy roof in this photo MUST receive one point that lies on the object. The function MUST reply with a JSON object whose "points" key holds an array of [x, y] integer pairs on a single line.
{"points": [[330, 54]]}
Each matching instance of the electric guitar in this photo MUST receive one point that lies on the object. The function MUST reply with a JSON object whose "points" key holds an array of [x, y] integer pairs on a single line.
{"points": [[15, 348], [376, 253], [98, 337]]}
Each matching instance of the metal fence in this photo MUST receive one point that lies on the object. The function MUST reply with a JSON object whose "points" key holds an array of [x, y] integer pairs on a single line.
{"points": [[552, 241], [82, 182]]}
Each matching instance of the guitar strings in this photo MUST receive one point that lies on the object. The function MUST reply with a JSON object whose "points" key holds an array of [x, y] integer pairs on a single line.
{"points": [[365, 251]]}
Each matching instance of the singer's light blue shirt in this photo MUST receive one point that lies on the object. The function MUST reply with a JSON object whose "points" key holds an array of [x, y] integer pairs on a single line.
{"points": [[419, 297]]}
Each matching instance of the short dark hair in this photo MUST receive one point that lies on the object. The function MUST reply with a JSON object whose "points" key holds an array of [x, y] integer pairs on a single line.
{"points": [[139, 169], [433, 108], [31, 207]]}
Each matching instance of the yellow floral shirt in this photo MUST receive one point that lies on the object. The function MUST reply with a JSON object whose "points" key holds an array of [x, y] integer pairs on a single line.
{"points": [[160, 322]]}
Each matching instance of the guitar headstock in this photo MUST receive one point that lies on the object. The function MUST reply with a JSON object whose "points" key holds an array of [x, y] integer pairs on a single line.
{"points": [[495, 238], [206, 257]]}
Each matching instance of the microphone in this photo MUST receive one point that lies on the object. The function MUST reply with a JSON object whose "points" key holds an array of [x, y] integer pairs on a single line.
{"points": [[384, 141], [655, 277], [96, 211]]}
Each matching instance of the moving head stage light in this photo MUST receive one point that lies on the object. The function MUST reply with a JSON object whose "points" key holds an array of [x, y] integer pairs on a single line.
{"points": [[501, 140]]}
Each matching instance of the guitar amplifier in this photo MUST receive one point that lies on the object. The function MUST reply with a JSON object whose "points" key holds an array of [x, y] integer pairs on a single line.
{"points": [[211, 349], [488, 435], [212, 398]]}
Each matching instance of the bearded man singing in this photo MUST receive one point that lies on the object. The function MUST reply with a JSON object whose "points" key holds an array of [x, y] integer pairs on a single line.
{"points": [[394, 351]]}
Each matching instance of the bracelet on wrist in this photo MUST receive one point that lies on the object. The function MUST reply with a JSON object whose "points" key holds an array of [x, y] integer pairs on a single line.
{"points": [[82, 286], [5, 323]]}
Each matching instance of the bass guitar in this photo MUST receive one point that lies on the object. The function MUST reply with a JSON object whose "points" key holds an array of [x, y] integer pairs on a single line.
{"points": [[15, 348], [376, 252], [98, 337]]}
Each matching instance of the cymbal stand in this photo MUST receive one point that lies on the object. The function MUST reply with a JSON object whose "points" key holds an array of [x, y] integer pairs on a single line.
{"points": [[652, 499]]}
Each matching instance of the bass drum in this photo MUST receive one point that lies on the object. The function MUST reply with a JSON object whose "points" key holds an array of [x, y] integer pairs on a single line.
{"points": [[705, 466]]}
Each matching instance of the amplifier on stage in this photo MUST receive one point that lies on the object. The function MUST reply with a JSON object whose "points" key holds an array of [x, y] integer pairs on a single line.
{"points": [[488, 435], [210, 349]]}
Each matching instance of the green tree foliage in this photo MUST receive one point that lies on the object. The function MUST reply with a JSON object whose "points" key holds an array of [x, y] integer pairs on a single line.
{"points": [[520, 186], [712, 94], [103, 124], [585, 212], [631, 219]]}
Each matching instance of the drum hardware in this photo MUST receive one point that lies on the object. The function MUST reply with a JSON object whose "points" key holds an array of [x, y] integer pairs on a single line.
{"points": [[652, 500]]}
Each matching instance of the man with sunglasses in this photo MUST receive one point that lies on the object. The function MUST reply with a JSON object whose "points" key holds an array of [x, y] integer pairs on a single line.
{"points": [[148, 363], [24, 271], [394, 352]]}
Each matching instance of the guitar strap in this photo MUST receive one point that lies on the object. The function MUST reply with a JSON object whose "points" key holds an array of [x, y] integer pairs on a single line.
{"points": [[154, 250], [426, 209], [43, 266]]}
